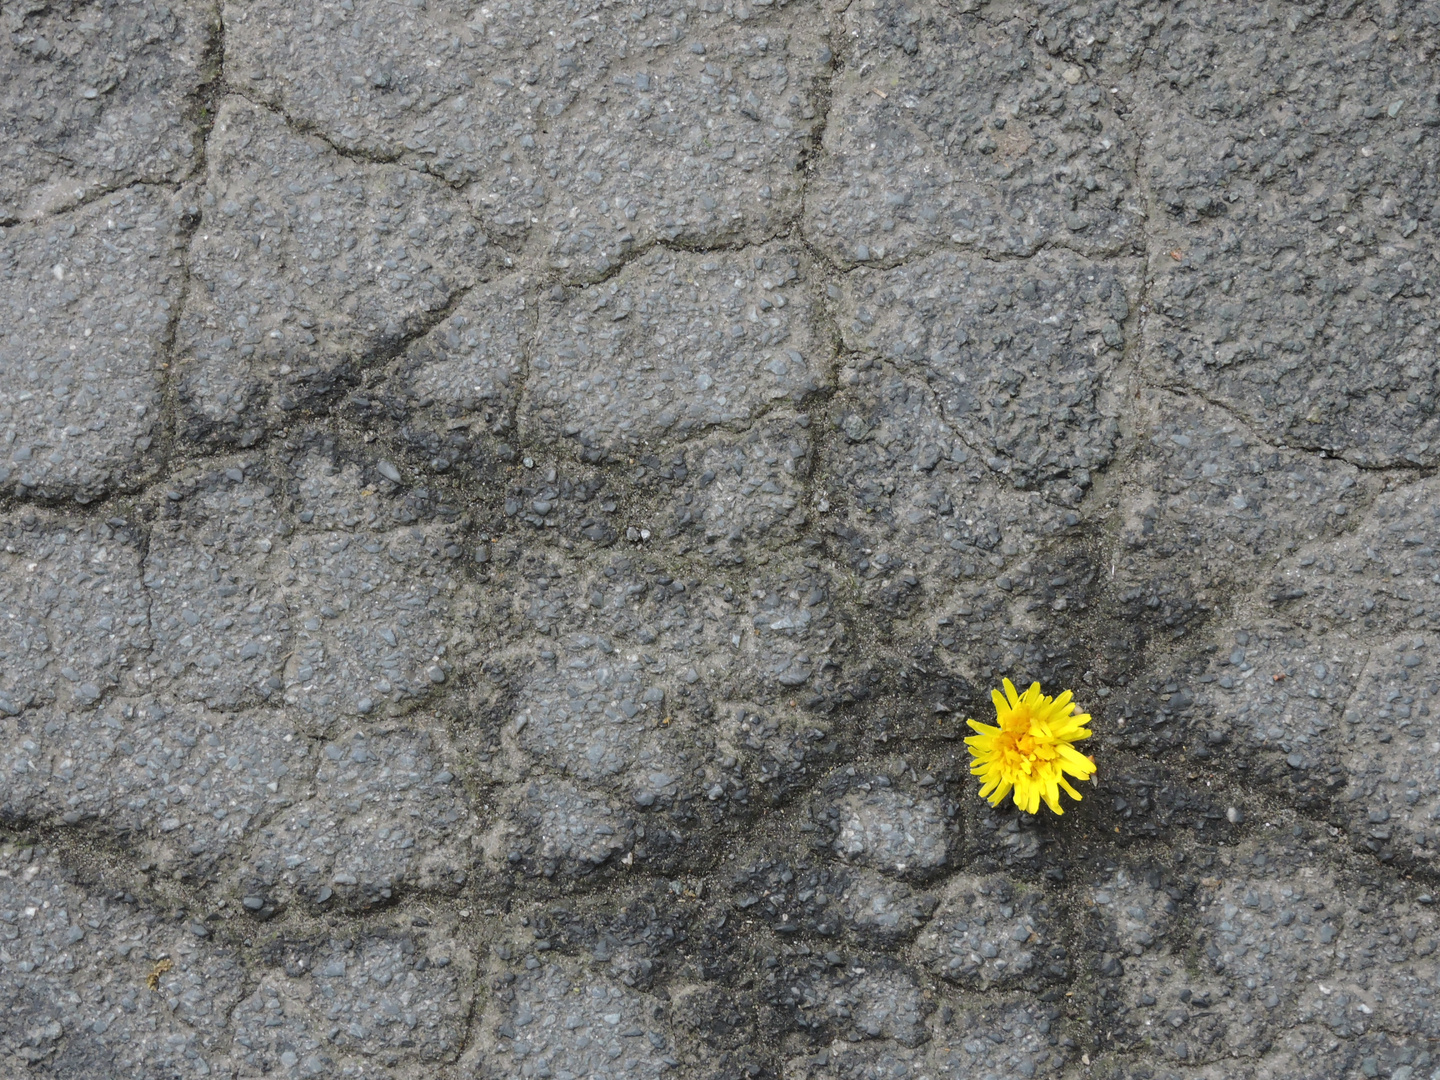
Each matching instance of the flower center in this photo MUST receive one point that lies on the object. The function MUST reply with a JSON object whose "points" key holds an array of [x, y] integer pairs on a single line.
{"points": [[1030, 745]]}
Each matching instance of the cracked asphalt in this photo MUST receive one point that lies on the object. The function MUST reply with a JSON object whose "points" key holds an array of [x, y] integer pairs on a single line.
{"points": [[507, 506]]}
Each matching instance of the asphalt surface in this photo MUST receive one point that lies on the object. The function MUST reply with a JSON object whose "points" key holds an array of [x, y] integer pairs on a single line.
{"points": [[506, 509]]}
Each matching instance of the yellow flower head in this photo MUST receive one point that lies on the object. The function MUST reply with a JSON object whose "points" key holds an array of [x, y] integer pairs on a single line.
{"points": [[1030, 751]]}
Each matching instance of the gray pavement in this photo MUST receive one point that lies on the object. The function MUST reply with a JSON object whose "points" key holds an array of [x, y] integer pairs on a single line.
{"points": [[507, 507]]}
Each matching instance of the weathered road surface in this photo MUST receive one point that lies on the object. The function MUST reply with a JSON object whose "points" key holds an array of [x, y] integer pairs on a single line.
{"points": [[507, 507]]}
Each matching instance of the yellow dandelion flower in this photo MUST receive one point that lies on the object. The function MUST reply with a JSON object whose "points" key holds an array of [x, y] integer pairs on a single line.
{"points": [[1030, 752]]}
